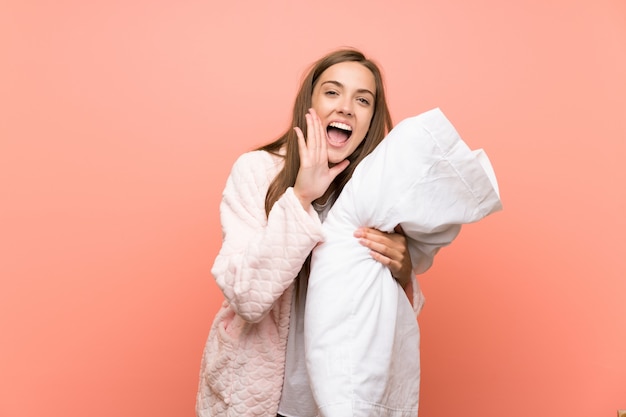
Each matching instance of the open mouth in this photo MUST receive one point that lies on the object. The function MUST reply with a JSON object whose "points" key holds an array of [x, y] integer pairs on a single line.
{"points": [[338, 133]]}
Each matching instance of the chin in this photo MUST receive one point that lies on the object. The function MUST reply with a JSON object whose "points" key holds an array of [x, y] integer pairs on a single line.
{"points": [[334, 161], [336, 157]]}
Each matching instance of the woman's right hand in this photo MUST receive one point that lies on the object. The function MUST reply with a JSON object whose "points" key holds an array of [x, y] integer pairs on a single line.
{"points": [[314, 176]]}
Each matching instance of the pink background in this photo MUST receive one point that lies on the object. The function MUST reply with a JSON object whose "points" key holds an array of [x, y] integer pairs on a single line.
{"points": [[120, 120]]}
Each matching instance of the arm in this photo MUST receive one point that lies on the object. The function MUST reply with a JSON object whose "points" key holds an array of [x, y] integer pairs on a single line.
{"points": [[392, 250], [260, 257], [405, 257]]}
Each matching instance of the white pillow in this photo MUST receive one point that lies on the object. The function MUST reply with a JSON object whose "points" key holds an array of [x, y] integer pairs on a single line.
{"points": [[361, 332]]}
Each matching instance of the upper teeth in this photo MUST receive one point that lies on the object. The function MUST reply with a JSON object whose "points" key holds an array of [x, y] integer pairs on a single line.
{"points": [[340, 126]]}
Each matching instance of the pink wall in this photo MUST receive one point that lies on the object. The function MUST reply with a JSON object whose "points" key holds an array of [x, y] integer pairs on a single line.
{"points": [[119, 122]]}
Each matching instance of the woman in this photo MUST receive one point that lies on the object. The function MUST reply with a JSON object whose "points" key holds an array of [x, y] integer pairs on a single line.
{"points": [[273, 204]]}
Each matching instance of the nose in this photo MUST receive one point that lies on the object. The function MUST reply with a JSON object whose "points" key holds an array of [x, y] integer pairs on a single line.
{"points": [[345, 106]]}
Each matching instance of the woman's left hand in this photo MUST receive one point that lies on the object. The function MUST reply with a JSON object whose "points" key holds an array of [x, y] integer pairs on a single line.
{"points": [[390, 249]]}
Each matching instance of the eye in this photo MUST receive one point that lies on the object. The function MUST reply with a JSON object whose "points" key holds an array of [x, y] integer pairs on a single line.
{"points": [[331, 93], [363, 100]]}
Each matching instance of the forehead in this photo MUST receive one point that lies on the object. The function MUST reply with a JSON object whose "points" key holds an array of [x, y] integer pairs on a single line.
{"points": [[351, 75]]}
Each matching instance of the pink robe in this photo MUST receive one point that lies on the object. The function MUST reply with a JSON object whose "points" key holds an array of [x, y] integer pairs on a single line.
{"points": [[244, 358]]}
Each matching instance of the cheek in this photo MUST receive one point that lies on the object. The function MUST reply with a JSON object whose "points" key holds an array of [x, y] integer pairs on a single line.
{"points": [[355, 144], [318, 103], [366, 121], [314, 103]]}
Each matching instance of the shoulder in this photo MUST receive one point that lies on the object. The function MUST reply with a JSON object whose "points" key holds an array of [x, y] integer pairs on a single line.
{"points": [[260, 165], [258, 160], [256, 169]]}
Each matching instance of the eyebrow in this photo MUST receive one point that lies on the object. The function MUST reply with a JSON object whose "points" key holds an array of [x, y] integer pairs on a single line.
{"points": [[338, 84]]}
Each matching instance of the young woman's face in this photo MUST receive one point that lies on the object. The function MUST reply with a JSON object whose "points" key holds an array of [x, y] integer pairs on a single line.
{"points": [[343, 98]]}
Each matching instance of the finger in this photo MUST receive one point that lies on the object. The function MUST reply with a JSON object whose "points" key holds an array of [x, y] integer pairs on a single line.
{"points": [[336, 170], [394, 240], [321, 136], [389, 249], [310, 133], [301, 142], [385, 260], [394, 267], [384, 249], [391, 246], [316, 131], [371, 233]]}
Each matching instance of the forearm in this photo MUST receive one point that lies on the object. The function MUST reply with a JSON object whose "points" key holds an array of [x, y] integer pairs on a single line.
{"points": [[257, 264]]}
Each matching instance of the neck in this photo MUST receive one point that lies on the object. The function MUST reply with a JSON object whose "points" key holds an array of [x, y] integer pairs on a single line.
{"points": [[324, 198]]}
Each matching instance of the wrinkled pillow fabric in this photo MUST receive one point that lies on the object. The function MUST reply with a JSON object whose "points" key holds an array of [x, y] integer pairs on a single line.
{"points": [[361, 332]]}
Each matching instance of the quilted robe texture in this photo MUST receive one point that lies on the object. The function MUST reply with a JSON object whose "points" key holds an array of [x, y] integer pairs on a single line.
{"points": [[360, 331], [244, 357]]}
